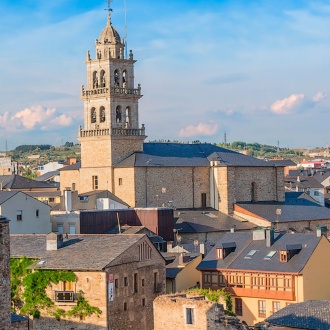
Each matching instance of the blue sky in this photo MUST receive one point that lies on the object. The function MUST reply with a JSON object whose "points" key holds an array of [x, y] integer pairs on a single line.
{"points": [[257, 70]]}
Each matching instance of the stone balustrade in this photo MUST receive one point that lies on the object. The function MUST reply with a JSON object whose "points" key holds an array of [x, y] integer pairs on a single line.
{"points": [[113, 90], [114, 131]]}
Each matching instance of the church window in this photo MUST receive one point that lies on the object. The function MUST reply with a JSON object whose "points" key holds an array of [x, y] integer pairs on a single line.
{"points": [[116, 79], [118, 114], [95, 80], [95, 181], [93, 115], [102, 78], [124, 79], [102, 115], [128, 116]]}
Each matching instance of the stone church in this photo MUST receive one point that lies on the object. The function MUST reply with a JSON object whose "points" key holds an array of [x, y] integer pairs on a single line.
{"points": [[115, 156]]}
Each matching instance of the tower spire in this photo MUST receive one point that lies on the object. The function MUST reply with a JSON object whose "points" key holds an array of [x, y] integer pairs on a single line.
{"points": [[109, 11]]}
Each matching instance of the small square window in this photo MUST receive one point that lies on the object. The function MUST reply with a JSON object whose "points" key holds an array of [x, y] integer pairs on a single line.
{"points": [[19, 215], [51, 199]]}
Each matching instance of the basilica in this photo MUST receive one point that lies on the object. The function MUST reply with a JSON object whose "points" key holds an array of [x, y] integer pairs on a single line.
{"points": [[115, 156]]}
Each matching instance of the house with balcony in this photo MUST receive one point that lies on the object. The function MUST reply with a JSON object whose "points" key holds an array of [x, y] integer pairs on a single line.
{"points": [[121, 275], [266, 271]]}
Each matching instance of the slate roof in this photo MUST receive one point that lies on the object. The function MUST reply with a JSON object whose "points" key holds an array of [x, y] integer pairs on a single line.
{"points": [[80, 252], [174, 268], [75, 166], [207, 220], [18, 182], [18, 318], [320, 176], [47, 175], [44, 193], [283, 162], [5, 195], [292, 210], [181, 154], [304, 182], [245, 243], [311, 314]]}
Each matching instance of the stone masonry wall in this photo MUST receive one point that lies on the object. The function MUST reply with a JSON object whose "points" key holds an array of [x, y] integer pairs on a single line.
{"points": [[5, 301], [122, 146], [125, 190], [104, 176], [183, 186], [170, 313], [67, 178]]}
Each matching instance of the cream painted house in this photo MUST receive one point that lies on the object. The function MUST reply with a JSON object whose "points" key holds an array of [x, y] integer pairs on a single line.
{"points": [[266, 272], [27, 215]]}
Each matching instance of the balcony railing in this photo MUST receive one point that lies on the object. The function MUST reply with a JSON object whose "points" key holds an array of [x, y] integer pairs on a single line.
{"points": [[64, 296], [114, 131]]}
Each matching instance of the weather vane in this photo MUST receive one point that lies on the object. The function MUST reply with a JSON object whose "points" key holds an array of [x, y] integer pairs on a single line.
{"points": [[109, 9]]}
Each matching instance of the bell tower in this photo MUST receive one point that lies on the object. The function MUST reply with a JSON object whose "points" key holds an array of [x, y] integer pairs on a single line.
{"points": [[111, 129]]}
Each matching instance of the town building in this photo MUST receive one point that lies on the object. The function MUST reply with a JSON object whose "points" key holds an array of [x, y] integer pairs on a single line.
{"points": [[27, 215], [119, 274], [115, 157], [265, 271]]}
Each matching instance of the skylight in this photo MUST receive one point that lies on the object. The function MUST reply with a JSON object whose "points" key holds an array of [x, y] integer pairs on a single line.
{"points": [[270, 255], [250, 254]]}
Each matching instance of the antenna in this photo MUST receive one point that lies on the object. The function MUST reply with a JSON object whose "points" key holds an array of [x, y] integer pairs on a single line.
{"points": [[225, 138], [125, 31]]}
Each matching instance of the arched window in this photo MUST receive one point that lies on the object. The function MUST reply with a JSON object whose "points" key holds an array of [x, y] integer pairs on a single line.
{"points": [[95, 80], [102, 115], [102, 78], [124, 79], [128, 114], [93, 115], [116, 78], [118, 114]]}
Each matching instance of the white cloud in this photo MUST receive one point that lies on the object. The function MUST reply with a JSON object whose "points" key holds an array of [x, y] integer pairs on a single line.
{"points": [[200, 129], [287, 105], [33, 117], [319, 96]]}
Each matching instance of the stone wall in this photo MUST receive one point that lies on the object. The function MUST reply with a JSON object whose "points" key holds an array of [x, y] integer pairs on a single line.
{"points": [[5, 302], [124, 184], [170, 312], [67, 178], [23, 325], [183, 186]]}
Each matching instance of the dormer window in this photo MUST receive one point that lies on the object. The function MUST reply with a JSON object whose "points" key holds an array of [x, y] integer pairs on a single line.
{"points": [[284, 256], [224, 249]]}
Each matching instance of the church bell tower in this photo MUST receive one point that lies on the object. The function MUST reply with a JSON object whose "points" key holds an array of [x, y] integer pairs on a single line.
{"points": [[111, 129]]}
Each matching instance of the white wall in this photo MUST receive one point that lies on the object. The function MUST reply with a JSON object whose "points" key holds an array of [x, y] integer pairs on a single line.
{"points": [[30, 223]]}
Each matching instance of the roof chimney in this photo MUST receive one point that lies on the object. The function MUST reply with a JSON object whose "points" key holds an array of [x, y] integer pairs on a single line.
{"points": [[321, 230], [258, 234], [54, 241], [270, 236], [68, 199]]}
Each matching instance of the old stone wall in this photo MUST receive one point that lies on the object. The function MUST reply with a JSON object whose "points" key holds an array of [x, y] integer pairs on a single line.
{"points": [[170, 312], [24, 325], [183, 186], [68, 178], [5, 301], [123, 146], [136, 284], [124, 184], [104, 178]]}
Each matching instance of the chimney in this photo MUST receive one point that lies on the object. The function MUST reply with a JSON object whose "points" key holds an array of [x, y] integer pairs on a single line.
{"points": [[68, 199], [54, 241], [258, 234], [181, 259], [321, 230], [202, 248], [270, 236], [233, 228], [169, 246]]}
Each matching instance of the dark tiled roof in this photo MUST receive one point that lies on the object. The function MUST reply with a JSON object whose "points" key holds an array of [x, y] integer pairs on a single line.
{"points": [[36, 194], [207, 220], [5, 195], [179, 154], [311, 314], [47, 175], [292, 210], [304, 182], [320, 176], [245, 243], [17, 182], [174, 268], [75, 166], [283, 162], [18, 318], [80, 252]]}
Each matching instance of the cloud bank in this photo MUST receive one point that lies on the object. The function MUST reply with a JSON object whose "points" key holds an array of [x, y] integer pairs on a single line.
{"points": [[201, 129]]}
